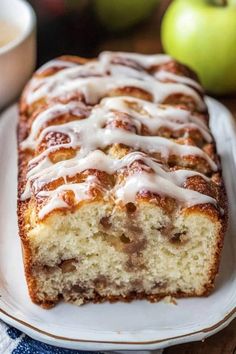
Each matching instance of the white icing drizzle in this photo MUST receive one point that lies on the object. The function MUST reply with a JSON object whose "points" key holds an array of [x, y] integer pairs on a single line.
{"points": [[163, 186], [95, 88], [165, 183], [42, 165], [94, 80], [158, 115], [155, 117], [163, 75], [146, 61], [80, 190], [89, 134], [46, 116], [44, 173]]}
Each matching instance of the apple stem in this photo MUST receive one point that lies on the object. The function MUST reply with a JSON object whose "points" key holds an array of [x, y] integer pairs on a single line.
{"points": [[218, 2]]}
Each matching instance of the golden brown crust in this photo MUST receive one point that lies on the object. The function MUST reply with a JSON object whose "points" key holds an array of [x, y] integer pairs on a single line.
{"points": [[213, 188], [128, 298]]}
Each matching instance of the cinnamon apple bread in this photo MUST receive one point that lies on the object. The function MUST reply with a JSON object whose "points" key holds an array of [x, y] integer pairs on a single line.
{"points": [[120, 188]]}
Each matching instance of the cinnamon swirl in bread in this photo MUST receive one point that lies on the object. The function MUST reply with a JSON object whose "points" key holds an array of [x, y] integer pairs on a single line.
{"points": [[120, 190]]}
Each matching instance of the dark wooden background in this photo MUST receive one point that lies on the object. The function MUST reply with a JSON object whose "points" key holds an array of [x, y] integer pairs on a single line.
{"points": [[79, 33]]}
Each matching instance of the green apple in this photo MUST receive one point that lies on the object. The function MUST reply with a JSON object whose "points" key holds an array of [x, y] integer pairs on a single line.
{"points": [[118, 15], [202, 34]]}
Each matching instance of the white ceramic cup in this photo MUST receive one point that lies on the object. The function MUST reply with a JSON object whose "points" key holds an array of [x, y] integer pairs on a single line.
{"points": [[17, 58]]}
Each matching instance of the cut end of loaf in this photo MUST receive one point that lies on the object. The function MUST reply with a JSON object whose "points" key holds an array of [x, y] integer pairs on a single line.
{"points": [[103, 253]]}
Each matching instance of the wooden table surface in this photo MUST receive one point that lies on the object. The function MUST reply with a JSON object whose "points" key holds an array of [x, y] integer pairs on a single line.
{"points": [[145, 38]]}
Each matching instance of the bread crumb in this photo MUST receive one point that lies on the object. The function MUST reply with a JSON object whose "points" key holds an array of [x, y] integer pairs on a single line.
{"points": [[170, 300]]}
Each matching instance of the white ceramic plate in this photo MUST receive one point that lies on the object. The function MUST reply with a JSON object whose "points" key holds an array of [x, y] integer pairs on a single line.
{"points": [[135, 326]]}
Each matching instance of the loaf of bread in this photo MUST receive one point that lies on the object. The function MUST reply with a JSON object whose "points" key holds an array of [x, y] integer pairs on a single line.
{"points": [[120, 188]]}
